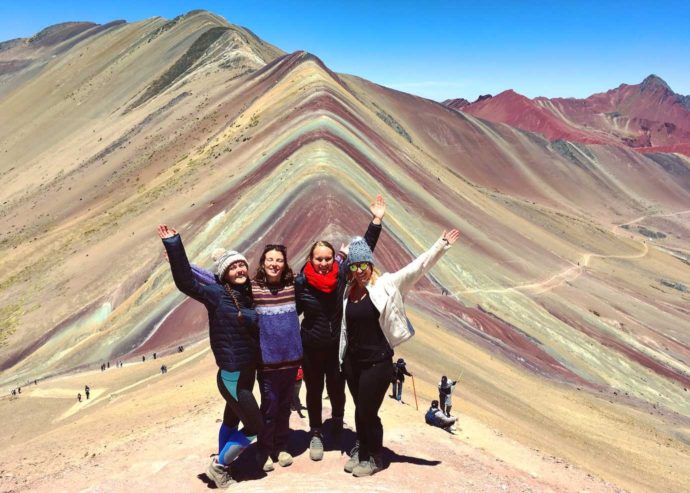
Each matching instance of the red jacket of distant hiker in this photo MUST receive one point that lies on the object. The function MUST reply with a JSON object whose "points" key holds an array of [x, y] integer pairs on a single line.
{"points": [[387, 296]]}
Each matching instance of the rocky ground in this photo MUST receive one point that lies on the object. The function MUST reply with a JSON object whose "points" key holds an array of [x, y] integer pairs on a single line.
{"points": [[143, 431]]}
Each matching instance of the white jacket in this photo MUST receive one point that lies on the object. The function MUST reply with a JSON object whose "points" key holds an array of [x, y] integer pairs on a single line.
{"points": [[387, 296]]}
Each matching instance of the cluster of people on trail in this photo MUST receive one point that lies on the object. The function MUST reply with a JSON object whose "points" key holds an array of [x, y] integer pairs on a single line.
{"points": [[353, 318], [439, 412], [106, 366], [87, 393]]}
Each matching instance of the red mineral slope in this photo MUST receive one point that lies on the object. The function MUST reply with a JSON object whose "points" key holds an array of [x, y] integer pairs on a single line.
{"points": [[649, 116]]}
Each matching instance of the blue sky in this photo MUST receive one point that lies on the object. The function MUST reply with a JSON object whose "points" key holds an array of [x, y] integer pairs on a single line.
{"points": [[439, 49]]}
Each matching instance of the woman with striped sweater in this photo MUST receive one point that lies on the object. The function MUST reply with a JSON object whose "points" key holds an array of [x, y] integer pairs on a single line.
{"points": [[273, 292], [273, 288]]}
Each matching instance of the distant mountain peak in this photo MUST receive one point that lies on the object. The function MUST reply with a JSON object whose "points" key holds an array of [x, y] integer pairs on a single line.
{"points": [[482, 97], [654, 81]]}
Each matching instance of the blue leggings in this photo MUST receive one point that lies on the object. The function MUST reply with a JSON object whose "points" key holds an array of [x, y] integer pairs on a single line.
{"points": [[240, 405]]}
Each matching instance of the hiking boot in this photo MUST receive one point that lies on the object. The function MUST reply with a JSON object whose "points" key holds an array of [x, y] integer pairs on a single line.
{"points": [[354, 459], [367, 468], [219, 474], [316, 446], [284, 459]]}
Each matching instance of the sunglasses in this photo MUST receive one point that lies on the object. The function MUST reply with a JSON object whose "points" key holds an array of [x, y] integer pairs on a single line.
{"points": [[278, 247], [361, 266]]}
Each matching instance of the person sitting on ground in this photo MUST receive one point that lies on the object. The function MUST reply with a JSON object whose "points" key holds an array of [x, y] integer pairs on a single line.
{"points": [[435, 417], [445, 389]]}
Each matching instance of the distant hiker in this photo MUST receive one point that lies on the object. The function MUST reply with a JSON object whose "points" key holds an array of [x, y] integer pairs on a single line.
{"points": [[319, 289], [445, 389], [296, 402], [162, 369], [436, 417], [87, 391], [180, 349], [14, 391], [154, 355], [79, 396], [374, 322], [35, 382], [399, 372], [234, 338], [281, 352], [108, 366], [143, 359], [19, 390]]}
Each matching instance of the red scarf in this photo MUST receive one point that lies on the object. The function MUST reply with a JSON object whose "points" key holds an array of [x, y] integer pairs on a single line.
{"points": [[323, 282]]}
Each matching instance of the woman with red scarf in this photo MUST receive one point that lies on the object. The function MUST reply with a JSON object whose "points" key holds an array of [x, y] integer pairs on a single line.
{"points": [[319, 292]]}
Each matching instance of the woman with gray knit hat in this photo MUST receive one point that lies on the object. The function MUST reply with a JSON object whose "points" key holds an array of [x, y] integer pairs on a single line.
{"points": [[234, 338], [374, 322]]}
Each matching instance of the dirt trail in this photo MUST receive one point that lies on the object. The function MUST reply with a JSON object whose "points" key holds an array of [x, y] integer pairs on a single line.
{"points": [[159, 434], [568, 274]]}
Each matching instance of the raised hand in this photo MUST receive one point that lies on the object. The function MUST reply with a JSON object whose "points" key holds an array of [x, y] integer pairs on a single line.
{"points": [[165, 232], [378, 208], [345, 248], [451, 236]]}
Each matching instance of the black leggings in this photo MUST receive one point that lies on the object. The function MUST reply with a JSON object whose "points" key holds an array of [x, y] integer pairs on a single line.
{"points": [[240, 404], [368, 384], [317, 364]]}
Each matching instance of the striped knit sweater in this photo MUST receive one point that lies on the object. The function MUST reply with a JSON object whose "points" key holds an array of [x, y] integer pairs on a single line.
{"points": [[279, 328]]}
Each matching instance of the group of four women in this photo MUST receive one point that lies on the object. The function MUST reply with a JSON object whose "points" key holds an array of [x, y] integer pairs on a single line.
{"points": [[352, 320]]}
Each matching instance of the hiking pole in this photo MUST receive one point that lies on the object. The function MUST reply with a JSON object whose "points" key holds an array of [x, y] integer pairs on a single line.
{"points": [[414, 389]]}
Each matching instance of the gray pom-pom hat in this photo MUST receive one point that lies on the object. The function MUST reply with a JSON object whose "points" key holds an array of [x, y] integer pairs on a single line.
{"points": [[359, 251], [225, 258]]}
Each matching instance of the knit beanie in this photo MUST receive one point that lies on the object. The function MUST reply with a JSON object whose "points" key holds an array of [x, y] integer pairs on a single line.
{"points": [[359, 251], [225, 258]]}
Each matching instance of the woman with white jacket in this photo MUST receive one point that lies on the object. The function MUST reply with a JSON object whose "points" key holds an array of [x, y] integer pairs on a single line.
{"points": [[373, 323]]}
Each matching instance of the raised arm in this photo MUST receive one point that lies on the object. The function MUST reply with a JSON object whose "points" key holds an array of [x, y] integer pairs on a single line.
{"points": [[378, 210], [179, 265], [406, 277]]}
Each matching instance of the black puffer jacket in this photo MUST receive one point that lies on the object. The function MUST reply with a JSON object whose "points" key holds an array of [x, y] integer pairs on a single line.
{"points": [[323, 312], [235, 345]]}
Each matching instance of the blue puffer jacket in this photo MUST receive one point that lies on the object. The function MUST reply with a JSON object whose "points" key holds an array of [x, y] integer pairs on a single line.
{"points": [[235, 344]]}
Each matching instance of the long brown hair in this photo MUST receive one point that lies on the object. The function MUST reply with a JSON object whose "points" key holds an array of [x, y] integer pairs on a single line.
{"points": [[287, 278]]}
